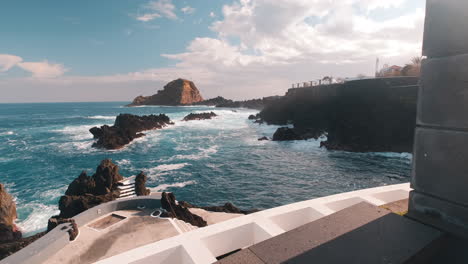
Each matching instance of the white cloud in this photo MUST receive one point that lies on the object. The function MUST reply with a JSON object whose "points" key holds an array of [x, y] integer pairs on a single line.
{"points": [[212, 14], [188, 10], [8, 61], [255, 53], [157, 9], [148, 17], [43, 69]]}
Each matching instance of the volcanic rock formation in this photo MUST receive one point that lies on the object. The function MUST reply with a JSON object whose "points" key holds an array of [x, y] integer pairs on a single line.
{"points": [[10, 237], [175, 210], [86, 192], [201, 116], [177, 92], [140, 185], [371, 115], [214, 101], [126, 128], [8, 230]]}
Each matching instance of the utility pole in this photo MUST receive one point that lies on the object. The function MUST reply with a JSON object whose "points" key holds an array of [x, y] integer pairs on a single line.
{"points": [[377, 61]]}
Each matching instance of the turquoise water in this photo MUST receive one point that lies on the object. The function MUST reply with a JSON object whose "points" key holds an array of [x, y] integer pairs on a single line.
{"points": [[45, 146]]}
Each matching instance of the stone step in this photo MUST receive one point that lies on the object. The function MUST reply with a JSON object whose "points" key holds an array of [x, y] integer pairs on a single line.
{"points": [[362, 233], [126, 186], [127, 190], [184, 226], [126, 195]]}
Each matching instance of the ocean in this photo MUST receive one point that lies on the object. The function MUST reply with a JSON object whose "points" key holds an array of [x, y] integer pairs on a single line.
{"points": [[44, 146]]}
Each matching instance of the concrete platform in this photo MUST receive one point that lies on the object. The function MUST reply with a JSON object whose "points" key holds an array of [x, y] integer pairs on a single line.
{"points": [[213, 217], [362, 233], [137, 229]]}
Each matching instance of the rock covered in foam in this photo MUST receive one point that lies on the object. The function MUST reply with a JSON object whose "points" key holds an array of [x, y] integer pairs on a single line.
{"points": [[199, 116], [126, 128], [177, 92]]}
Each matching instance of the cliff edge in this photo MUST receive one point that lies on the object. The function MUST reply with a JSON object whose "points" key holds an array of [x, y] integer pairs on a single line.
{"points": [[177, 92]]}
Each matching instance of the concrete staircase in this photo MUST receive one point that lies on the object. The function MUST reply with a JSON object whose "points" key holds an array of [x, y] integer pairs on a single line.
{"points": [[183, 226], [127, 188]]}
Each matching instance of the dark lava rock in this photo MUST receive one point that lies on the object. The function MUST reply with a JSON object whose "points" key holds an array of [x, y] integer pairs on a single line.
{"points": [[201, 116], [254, 117], [371, 115], [72, 227], [86, 192], [9, 233], [286, 134], [214, 101], [174, 210], [9, 248], [140, 185], [263, 139], [126, 128]]}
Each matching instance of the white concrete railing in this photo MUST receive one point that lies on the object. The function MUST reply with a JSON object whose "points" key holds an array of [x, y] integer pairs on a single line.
{"points": [[203, 245]]}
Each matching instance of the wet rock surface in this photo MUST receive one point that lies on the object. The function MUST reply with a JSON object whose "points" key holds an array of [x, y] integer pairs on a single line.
{"points": [[199, 116], [126, 128]]}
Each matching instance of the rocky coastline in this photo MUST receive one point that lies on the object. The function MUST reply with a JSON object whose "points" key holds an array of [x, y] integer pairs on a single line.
{"points": [[177, 92], [85, 192], [182, 92], [11, 238], [372, 115], [126, 128], [199, 116]]}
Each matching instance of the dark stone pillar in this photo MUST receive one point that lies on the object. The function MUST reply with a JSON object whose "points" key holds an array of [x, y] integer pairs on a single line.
{"points": [[440, 166]]}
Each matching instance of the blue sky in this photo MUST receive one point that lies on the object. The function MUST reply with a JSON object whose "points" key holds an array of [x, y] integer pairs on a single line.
{"points": [[105, 50], [104, 32]]}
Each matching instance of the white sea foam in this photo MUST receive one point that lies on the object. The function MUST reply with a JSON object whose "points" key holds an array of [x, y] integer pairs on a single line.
{"points": [[101, 117], [163, 169], [37, 219], [204, 153], [76, 132], [393, 155], [52, 193], [7, 133], [171, 167], [163, 187], [123, 162]]}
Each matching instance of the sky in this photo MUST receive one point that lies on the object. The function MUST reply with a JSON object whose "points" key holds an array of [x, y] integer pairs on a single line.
{"points": [[115, 50]]}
